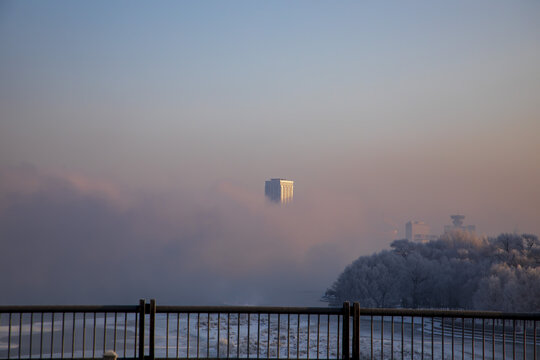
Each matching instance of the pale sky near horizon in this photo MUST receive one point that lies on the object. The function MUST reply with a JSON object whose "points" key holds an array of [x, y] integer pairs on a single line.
{"points": [[382, 112]]}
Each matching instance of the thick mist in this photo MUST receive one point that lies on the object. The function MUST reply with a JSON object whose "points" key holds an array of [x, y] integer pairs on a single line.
{"points": [[68, 240]]}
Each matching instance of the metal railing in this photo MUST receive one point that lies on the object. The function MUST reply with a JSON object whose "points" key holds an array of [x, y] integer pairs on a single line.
{"points": [[147, 331], [248, 332], [446, 334], [69, 331]]}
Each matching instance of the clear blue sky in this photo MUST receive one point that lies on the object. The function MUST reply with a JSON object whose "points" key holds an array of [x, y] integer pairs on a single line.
{"points": [[382, 112]]}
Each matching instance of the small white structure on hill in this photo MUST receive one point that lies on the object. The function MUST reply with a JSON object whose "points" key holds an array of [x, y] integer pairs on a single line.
{"points": [[418, 231]]}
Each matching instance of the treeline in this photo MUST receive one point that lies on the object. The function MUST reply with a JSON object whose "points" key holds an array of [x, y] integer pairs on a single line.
{"points": [[458, 271]]}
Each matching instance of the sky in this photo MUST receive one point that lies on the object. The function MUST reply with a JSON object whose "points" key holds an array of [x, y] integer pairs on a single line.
{"points": [[135, 139]]}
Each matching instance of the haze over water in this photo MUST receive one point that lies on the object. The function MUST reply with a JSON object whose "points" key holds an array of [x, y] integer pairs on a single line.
{"points": [[135, 140]]}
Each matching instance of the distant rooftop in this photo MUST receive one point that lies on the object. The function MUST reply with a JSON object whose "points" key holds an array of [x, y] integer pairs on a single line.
{"points": [[280, 179]]}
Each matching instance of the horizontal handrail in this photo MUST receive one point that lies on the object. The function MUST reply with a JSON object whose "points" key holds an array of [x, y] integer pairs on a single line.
{"points": [[449, 313], [67, 308], [249, 310], [269, 310]]}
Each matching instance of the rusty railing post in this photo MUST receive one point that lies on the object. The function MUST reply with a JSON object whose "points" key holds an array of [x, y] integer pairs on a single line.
{"points": [[152, 339], [346, 321], [356, 331], [142, 314]]}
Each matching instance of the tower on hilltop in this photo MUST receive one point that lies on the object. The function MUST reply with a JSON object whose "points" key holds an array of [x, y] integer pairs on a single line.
{"points": [[279, 190], [457, 224]]}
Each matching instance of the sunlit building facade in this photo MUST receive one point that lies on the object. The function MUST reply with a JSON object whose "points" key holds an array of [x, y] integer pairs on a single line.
{"points": [[279, 190]]}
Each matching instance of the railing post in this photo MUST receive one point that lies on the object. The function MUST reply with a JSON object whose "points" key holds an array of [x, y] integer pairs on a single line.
{"points": [[356, 331], [345, 340], [142, 314], [152, 340]]}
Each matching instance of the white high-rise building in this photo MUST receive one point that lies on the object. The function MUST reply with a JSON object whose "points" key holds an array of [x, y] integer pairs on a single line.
{"points": [[279, 190]]}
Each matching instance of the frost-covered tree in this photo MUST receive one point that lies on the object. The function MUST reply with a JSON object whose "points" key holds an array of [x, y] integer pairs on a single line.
{"points": [[509, 288], [369, 279], [459, 270]]}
